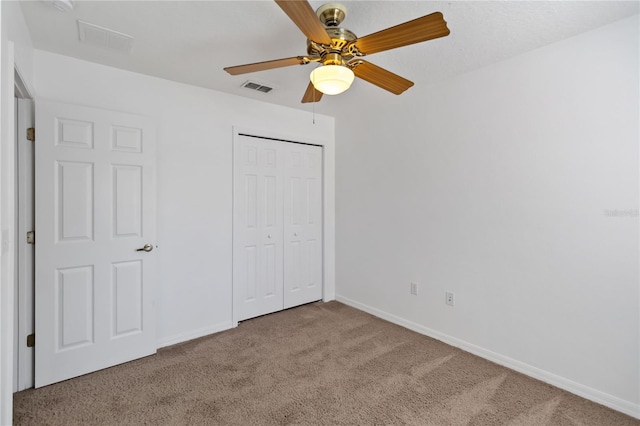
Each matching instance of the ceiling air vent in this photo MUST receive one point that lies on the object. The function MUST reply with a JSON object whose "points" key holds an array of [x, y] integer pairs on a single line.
{"points": [[104, 37], [257, 86]]}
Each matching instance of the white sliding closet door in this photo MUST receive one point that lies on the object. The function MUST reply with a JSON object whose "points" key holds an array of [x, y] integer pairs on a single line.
{"points": [[277, 225]]}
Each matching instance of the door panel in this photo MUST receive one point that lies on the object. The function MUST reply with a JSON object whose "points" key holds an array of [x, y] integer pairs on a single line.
{"points": [[302, 225], [127, 201], [127, 288], [95, 206], [73, 192], [257, 266], [73, 305]]}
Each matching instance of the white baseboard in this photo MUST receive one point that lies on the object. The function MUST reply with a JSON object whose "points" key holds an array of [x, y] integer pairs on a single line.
{"points": [[183, 337], [586, 392]]}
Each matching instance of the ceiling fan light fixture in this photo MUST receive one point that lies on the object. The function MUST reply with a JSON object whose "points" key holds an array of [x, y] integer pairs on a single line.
{"points": [[332, 79]]}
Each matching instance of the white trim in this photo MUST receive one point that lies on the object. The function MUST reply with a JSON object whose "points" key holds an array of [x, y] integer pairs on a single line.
{"points": [[7, 226], [587, 392], [328, 204], [201, 332], [22, 90]]}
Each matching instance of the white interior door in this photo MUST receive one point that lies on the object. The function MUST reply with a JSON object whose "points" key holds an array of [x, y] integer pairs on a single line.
{"points": [[257, 271], [277, 227], [95, 206], [302, 224]]}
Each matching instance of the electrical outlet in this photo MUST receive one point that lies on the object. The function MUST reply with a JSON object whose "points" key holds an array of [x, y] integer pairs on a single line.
{"points": [[449, 298], [414, 289]]}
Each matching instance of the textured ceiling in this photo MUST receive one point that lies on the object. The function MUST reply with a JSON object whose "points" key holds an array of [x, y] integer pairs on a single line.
{"points": [[191, 42]]}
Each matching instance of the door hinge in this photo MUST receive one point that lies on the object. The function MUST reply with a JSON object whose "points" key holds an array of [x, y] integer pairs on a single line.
{"points": [[31, 134], [31, 237], [31, 340]]}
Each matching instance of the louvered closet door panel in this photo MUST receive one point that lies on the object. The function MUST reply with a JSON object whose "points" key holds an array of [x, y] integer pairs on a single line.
{"points": [[302, 224], [258, 234]]}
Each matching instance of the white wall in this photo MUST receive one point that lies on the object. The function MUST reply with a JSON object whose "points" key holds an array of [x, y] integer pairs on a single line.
{"points": [[495, 185], [194, 178], [6, 288], [19, 35]]}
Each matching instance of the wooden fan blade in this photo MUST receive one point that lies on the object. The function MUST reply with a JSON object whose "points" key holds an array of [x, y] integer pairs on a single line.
{"points": [[381, 77], [422, 29], [266, 65], [301, 13], [311, 95]]}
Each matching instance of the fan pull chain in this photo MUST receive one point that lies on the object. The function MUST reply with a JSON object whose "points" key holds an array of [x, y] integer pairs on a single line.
{"points": [[313, 104]]}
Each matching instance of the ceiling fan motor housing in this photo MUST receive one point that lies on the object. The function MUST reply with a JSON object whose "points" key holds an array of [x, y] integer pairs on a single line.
{"points": [[340, 41], [331, 14]]}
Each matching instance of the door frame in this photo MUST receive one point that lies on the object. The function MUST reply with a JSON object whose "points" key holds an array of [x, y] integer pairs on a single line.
{"points": [[23, 312], [25, 253], [328, 203], [13, 85]]}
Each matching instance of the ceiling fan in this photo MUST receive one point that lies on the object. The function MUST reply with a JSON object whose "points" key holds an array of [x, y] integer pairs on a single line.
{"points": [[340, 51]]}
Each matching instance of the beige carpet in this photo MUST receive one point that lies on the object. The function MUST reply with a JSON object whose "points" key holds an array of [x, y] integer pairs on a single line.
{"points": [[316, 364]]}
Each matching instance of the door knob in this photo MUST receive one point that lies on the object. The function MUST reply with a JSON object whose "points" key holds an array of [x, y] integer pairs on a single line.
{"points": [[146, 247]]}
